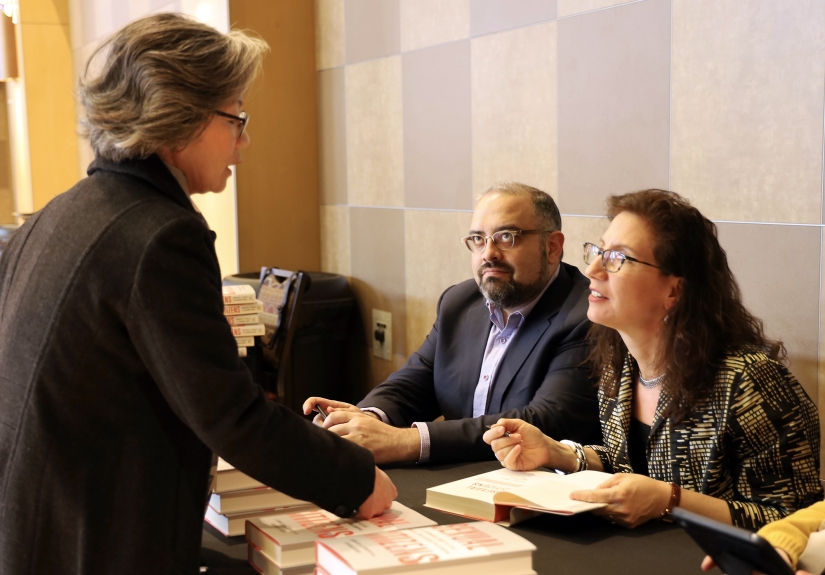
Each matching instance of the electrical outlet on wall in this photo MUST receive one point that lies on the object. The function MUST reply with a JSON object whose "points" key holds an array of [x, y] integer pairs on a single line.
{"points": [[382, 334]]}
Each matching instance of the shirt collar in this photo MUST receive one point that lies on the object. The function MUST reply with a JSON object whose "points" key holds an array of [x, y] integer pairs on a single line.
{"points": [[497, 315]]}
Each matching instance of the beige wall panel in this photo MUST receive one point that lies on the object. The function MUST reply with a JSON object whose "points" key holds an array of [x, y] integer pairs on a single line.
{"points": [[747, 108], [430, 22], [772, 266], [571, 7], [577, 230], [375, 156], [514, 108], [44, 12], [51, 110], [329, 33], [820, 397], [435, 260], [335, 246]]}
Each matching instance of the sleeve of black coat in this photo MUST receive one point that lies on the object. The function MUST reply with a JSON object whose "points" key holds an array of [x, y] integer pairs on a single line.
{"points": [[176, 321]]}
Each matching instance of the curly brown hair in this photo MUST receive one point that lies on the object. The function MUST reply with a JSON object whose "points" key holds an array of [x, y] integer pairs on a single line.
{"points": [[708, 319]]}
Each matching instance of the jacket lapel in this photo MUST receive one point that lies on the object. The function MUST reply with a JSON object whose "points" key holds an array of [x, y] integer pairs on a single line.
{"points": [[528, 335], [478, 332]]}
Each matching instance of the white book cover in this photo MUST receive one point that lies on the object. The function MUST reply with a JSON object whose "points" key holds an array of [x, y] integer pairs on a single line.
{"points": [[248, 330], [248, 319], [245, 341], [463, 548], [228, 478], [234, 524], [494, 496], [241, 352], [288, 539], [238, 294], [264, 564], [243, 308], [252, 499]]}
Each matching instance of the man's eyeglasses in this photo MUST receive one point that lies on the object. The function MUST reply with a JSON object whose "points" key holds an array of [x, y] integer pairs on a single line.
{"points": [[503, 240], [242, 119], [612, 260]]}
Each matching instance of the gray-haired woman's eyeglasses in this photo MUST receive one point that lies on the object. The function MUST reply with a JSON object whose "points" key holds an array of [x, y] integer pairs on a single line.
{"points": [[242, 119]]}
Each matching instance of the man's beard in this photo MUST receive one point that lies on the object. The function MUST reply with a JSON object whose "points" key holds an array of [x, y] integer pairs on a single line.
{"points": [[510, 294]]}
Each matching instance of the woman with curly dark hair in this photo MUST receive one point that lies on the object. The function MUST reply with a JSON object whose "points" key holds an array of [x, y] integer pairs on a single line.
{"points": [[696, 409]]}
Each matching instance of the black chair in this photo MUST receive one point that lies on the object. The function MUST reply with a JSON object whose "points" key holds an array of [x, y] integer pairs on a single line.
{"points": [[276, 344]]}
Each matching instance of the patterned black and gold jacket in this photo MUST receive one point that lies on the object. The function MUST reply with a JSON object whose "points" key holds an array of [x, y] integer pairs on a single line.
{"points": [[754, 442]]}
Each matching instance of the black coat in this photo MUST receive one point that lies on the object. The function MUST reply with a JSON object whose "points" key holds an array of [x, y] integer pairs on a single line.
{"points": [[119, 376], [542, 378]]}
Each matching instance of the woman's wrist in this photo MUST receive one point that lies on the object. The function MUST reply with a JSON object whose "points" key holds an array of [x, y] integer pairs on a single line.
{"points": [[561, 456]]}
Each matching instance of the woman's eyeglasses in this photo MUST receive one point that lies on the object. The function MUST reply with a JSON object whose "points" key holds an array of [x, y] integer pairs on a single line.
{"points": [[242, 119], [612, 260]]}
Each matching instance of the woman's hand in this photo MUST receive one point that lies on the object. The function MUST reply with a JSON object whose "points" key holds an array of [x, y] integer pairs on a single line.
{"points": [[525, 449], [383, 494], [631, 499]]}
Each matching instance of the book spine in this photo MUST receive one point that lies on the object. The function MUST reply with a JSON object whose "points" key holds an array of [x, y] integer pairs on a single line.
{"points": [[250, 319], [242, 309], [241, 352], [248, 330], [238, 298], [245, 341]]}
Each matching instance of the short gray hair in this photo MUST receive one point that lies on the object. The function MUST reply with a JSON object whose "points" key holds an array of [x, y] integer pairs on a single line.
{"points": [[162, 79], [544, 206]]}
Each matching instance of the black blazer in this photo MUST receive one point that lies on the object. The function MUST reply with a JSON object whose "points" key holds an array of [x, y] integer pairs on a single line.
{"points": [[541, 379], [119, 376]]}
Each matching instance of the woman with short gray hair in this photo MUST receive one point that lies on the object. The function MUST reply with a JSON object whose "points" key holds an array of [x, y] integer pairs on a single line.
{"points": [[119, 375]]}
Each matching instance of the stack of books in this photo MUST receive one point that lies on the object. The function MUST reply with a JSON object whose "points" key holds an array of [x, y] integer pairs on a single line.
{"points": [[242, 311], [237, 498], [284, 544], [460, 549]]}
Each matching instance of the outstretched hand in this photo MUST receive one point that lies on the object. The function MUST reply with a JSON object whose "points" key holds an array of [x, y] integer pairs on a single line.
{"points": [[708, 564], [383, 494]]}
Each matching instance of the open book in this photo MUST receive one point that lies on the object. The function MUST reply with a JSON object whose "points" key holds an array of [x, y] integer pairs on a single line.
{"points": [[506, 496]]}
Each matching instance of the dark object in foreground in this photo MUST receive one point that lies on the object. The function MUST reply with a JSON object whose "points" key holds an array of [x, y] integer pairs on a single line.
{"points": [[736, 551]]}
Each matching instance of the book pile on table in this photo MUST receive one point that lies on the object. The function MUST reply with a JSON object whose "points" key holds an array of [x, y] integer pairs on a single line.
{"points": [[460, 549], [242, 311], [237, 498], [285, 543]]}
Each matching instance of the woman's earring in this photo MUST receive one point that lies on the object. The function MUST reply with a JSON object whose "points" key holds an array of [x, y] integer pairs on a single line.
{"points": [[667, 315]]}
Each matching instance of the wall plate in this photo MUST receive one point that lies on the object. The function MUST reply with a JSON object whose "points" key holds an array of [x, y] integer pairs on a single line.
{"points": [[382, 334]]}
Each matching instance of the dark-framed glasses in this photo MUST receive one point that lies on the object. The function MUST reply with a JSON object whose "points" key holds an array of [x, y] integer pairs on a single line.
{"points": [[242, 119], [612, 260], [503, 240]]}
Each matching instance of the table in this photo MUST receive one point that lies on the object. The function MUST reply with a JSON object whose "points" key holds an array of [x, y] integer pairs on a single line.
{"points": [[577, 545]]}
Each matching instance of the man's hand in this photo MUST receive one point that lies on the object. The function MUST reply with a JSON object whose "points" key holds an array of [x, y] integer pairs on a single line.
{"points": [[388, 444], [525, 449], [383, 494], [328, 405], [631, 499]]}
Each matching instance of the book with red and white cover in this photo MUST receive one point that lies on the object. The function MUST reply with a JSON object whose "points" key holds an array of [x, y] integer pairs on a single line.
{"points": [[234, 524], [461, 549], [252, 499], [243, 308], [248, 319], [288, 539], [238, 294], [264, 565], [229, 479], [248, 330], [511, 496]]}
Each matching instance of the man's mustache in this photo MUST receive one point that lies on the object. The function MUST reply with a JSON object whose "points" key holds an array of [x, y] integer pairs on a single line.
{"points": [[495, 266]]}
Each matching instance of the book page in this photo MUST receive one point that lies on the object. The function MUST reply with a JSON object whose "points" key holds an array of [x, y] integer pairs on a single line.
{"points": [[553, 493]]}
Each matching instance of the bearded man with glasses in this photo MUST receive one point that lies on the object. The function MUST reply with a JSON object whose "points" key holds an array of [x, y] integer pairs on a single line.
{"points": [[509, 344]]}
